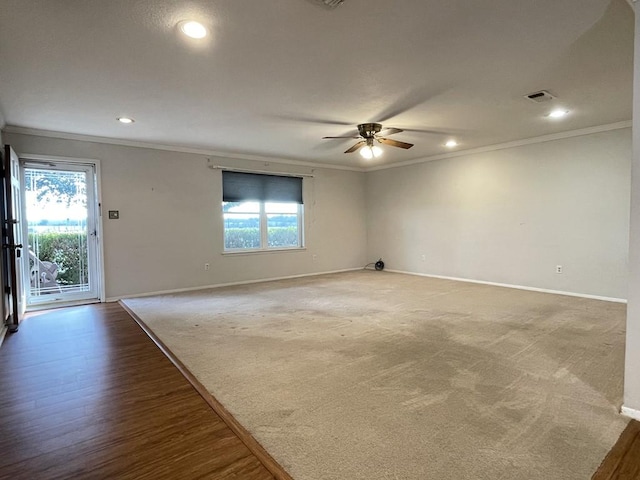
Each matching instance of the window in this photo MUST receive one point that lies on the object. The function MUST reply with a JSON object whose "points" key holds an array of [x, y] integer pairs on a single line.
{"points": [[261, 212]]}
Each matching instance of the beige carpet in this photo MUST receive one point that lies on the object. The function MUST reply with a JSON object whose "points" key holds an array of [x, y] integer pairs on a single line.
{"points": [[375, 375]]}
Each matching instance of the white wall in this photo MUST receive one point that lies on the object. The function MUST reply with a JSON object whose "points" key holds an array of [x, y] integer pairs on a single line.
{"points": [[171, 222], [507, 216], [510, 216], [632, 360]]}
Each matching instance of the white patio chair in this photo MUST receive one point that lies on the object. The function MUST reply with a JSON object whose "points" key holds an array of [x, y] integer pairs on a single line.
{"points": [[43, 273]]}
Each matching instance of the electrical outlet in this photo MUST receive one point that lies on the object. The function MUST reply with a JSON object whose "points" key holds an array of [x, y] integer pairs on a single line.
{"points": [[423, 257], [314, 257], [558, 268], [206, 266]]}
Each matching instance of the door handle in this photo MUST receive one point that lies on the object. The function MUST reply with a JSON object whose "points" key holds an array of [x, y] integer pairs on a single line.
{"points": [[11, 246]]}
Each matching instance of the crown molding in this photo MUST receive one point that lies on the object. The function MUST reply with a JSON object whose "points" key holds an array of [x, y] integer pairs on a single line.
{"points": [[284, 161], [516, 143], [172, 148]]}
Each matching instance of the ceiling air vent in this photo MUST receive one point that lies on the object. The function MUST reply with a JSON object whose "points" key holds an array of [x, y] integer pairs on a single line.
{"points": [[540, 97], [330, 3]]}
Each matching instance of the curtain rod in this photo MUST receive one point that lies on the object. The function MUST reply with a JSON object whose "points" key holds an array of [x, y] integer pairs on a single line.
{"points": [[267, 172]]}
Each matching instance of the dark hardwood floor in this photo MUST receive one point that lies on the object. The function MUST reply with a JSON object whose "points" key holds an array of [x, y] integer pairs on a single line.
{"points": [[623, 461], [84, 393]]}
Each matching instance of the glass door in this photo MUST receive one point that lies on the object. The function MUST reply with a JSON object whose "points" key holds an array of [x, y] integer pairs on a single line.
{"points": [[61, 261]]}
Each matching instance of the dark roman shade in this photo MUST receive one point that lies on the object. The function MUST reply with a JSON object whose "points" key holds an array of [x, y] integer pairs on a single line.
{"points": [[244, 187]]}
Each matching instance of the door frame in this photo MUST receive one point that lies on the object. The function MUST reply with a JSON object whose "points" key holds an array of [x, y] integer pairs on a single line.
{"points": [[95, 163], [14, 304]]}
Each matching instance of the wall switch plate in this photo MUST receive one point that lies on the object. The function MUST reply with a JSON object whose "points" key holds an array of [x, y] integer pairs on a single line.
{"points": [[114, 214]]}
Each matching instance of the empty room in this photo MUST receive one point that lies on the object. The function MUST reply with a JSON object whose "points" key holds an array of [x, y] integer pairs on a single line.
{"points": [[320, 239]]}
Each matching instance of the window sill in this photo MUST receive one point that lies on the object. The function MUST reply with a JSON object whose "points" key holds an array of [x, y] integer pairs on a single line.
{"points": [[233, 253]]}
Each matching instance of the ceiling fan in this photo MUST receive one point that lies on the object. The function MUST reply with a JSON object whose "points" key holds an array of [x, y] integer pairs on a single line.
{"points": [[370, 133]]}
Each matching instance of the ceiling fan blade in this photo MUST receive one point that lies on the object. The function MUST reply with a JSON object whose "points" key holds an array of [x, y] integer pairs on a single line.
{"points": [[390, 131], [410, 100], [395, 143], [357, 136], [356, 146], [448, 131], [311, 119]]}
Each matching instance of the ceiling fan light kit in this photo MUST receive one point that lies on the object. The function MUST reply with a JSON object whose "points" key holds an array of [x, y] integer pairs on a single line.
{"points": [[370, 151]]}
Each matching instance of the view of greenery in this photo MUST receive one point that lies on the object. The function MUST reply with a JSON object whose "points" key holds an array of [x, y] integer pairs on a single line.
{"points": [[242, 225], [56, 215], [51, 186], [68, 251], [249, 237]]}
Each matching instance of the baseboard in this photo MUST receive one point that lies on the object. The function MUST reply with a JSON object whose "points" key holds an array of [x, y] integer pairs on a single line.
{"points": [[232, 284], [3, 333], [630, 412], [517, 287]]}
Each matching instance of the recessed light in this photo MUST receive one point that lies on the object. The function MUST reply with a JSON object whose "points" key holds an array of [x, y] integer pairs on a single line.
{"points": [[559, 113], [451, 144], [193, 29], [126, 120]]}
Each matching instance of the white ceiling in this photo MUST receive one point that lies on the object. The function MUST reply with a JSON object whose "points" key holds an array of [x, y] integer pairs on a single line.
{"points": [[275, 76]]}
